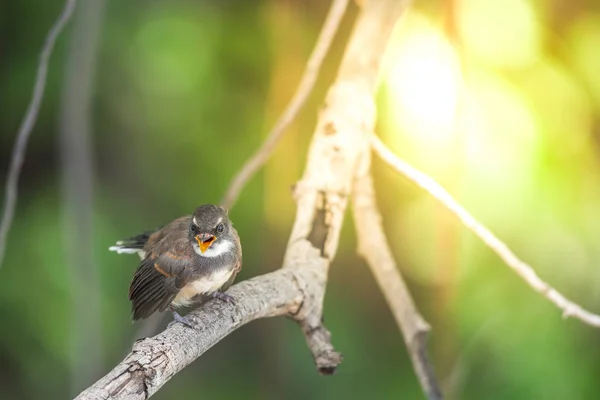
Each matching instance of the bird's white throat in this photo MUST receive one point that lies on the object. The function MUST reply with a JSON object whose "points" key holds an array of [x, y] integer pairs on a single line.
{"points": [[215, 250]]}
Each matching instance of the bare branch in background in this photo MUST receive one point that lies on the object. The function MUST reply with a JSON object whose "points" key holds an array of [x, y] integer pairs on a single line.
{"points": [[307, 82], [339, 142], [522, 269], [76, 155], [374, 247], [18, 153]]}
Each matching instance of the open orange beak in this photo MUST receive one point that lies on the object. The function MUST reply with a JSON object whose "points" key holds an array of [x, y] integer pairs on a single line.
{"points": [[205, 240]]}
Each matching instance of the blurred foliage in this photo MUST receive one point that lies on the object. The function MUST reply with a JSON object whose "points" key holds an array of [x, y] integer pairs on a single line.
{"points": [[499, 101]]}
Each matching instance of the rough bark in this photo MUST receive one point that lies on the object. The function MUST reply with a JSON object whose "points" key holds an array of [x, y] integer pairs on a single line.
{"points": [[339, 142], [153, 361]]}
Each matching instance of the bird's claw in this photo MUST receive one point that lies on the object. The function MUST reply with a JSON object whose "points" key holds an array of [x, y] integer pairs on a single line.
{"points": [[182, 320], [223, 297]]}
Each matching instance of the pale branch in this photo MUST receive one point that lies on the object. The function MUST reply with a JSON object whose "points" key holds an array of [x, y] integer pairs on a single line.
{"points": [[307, 82], [379, 18], [153, 361], [525, 271], [18, 152], [298, 288], [339, 143], [374, 247]]}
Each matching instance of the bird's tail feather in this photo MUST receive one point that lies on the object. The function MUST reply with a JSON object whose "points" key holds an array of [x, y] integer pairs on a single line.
{"points": [[132, 245]]}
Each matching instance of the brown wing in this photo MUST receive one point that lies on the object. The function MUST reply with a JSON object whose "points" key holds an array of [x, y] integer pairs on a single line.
{"points": [[180, 224], [157, 281]]}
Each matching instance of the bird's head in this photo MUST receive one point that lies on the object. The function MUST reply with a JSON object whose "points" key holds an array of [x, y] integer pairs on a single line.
{"points": [[210, 226]]}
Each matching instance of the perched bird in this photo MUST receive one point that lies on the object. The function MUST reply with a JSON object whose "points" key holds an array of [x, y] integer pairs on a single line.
{"points": [[190, 259]]}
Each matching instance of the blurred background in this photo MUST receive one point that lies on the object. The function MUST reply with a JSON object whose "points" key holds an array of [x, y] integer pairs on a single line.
{"points": [[152, 106]]}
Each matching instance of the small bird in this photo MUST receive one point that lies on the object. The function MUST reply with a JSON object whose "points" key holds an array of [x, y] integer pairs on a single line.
{"points": [[192, 258]]}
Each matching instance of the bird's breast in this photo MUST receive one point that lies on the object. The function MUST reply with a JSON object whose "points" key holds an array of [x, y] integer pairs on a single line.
{"points": [[205, 285]]}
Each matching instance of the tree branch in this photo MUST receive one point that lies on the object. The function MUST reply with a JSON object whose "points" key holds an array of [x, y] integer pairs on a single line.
{"points": [[298, 288], [18, 153], [339, 143], [305, 87], [307, 82], [373, 246], [522, 269], [153, 361]]}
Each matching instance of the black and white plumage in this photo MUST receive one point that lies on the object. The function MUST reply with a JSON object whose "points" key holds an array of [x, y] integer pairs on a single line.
{"points": [[185, 261]]}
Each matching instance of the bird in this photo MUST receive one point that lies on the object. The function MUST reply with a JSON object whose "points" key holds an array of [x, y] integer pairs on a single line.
{"points": [[189, 260]]}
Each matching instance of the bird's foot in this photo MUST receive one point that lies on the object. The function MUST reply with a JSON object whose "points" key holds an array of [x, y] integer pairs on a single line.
{"points": [[182, 320], [223, 297]]}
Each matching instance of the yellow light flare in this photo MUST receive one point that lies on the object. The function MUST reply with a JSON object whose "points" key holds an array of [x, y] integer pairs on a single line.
{"points": [[584, 48], [424, 81], [504, 34]]}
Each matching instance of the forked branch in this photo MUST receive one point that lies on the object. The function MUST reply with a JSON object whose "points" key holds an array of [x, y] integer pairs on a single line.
{"points": [[524, 270], [339, 142]]}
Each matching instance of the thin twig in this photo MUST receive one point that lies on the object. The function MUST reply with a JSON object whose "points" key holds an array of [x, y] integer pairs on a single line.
{"points": [[18, 154], [374, 248], [522, 269], [307, 82]]}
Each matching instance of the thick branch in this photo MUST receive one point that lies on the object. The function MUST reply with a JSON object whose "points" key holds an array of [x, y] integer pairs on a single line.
{"points": [[373, 246], [339, 142], [362, 60], [522, 269], [153, 361], [18, 153]]}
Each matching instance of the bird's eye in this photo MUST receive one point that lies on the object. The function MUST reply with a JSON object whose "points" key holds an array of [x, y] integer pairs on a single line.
{"points": [[194, 229], [220, 228]]}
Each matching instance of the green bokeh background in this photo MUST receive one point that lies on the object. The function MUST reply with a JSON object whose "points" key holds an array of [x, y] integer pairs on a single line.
{"points": [[183, 94]]}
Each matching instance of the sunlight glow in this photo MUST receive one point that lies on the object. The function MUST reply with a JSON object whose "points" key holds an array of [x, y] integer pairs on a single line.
{"points": [[424, 81], [502, 33]]}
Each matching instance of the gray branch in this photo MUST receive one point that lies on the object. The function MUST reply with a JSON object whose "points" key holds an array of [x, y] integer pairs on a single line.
{"points": [[340, 142], [153, 361]]}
